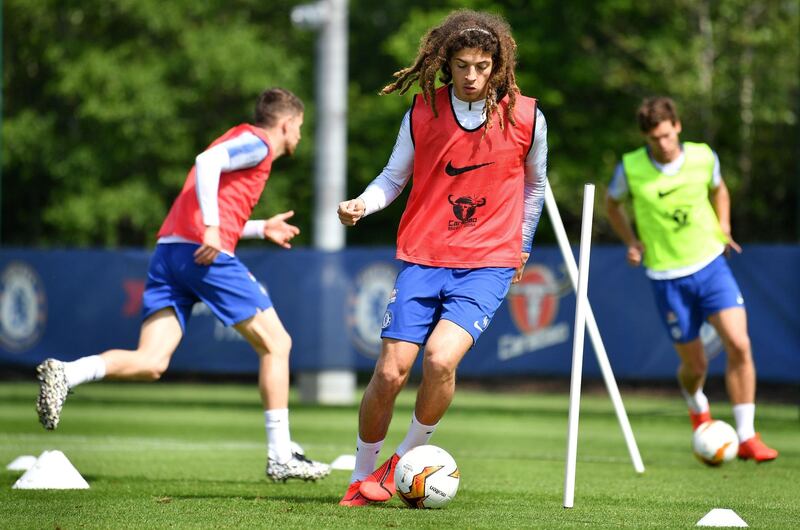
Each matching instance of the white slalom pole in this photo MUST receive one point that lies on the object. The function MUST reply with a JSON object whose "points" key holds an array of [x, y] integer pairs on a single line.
{"points": [[577, 345], [594, 333]]}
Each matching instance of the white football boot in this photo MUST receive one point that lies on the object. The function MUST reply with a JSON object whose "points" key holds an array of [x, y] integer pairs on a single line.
{"points": [[53, 392], [297, 467]]}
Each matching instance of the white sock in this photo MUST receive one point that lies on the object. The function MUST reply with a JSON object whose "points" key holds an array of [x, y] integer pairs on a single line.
{"points": [[698, 402], [278, 438], [366, 456], [418, 434], [745, 415], [84, 370]]}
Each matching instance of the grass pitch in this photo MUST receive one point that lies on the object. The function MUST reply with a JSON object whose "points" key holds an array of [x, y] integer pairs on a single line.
{"points": [[170, 455]]}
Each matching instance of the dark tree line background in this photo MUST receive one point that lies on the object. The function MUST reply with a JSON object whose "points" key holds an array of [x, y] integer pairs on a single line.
{"points": [[106, 102]]}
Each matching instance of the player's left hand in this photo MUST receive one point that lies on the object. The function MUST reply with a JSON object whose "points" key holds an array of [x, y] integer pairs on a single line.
{"points": [[523, 258], [732, 245], [277, 230]]}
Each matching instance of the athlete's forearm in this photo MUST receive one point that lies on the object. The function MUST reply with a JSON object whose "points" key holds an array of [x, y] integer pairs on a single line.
{"points": [[532, 212], [721, 202], [253, 229], [620, 222]]}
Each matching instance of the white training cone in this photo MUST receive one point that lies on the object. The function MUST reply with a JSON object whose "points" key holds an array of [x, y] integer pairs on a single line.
{"points": [[721, 517], [22, 463], [346, 462], [52, 471]]}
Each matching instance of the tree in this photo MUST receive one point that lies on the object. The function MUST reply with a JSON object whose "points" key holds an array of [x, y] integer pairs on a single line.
{"points": [[107, 103]]}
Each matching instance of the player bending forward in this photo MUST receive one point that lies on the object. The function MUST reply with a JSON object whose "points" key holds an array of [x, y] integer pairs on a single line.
{"points": [[194, 262], [477, 149]]}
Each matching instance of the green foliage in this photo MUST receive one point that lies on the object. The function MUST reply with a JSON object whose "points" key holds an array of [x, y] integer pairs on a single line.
{"points": [[106, 103], [591, 64]]}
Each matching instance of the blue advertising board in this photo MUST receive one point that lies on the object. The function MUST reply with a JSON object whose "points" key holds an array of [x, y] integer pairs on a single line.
{"points": [[71, 303]]}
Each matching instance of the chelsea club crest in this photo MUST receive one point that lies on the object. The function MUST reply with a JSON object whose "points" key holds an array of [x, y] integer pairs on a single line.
{"points": [[23, 307], [374, 288]]}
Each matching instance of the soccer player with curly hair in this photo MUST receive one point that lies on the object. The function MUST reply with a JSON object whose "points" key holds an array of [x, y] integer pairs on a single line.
{"points": [[477, 149]]}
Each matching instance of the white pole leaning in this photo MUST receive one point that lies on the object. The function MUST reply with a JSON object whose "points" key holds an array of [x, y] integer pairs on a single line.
{"points": [[594, 333], [577, 345]]}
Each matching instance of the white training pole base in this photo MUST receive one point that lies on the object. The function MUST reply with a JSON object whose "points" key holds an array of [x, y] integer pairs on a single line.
{"points": [[721, 517], [328, 387], [52, 471]]}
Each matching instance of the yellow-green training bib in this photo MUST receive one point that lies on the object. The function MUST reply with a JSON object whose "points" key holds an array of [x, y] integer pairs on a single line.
{"points": [[674, 216]]}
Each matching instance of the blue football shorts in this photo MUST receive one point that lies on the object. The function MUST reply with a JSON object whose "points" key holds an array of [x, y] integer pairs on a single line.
{"points": [[226, 286], [423, 295], [685, 303]]}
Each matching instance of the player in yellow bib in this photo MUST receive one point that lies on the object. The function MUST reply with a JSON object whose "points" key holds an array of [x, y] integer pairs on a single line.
{"points": [[682, 211]]}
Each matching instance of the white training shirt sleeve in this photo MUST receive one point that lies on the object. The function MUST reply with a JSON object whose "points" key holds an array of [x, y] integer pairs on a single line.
{"points": [[254, 229], [390, 183], [241, 152], [535, 182], [716, 175], [618, 187]]}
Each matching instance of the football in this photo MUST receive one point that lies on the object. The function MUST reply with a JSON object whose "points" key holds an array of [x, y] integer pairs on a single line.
{"points": [[715, 442], [426, 477]]}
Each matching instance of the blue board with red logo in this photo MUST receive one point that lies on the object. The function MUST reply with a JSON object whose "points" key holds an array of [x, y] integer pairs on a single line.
{"points": [[333, 305]]}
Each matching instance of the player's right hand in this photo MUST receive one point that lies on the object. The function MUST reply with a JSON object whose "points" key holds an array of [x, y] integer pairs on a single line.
{"points": [[351, 211], [634, 255], [211, 247]]}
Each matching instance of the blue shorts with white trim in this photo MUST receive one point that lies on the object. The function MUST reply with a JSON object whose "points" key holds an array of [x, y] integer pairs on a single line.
{"points": [[685, 303], [226, 286], [424, 295]]}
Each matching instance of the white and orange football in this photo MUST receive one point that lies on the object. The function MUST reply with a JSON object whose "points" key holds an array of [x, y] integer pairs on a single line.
{"points": [[715, 442]]}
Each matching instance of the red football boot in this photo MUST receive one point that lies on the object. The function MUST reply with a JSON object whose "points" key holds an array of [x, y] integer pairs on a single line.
{"points": [[353, 497], [379, 486], [699, 418], [755, 449]]}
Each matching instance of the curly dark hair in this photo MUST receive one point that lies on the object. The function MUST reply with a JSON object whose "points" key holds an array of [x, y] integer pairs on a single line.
{"points": [[460, 30]]}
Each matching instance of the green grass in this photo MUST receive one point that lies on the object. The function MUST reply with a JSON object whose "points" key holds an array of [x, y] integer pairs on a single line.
{"points": [[192, 456]]}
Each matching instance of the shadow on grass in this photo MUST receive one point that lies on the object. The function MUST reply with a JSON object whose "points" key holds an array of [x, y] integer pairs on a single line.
{"points": [[294, 499], [326, 500]]}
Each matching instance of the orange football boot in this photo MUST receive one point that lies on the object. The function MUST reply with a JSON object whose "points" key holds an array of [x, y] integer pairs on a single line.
{"points": [[379, 486], [353, 497], [755, 449], [699, 418]]}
